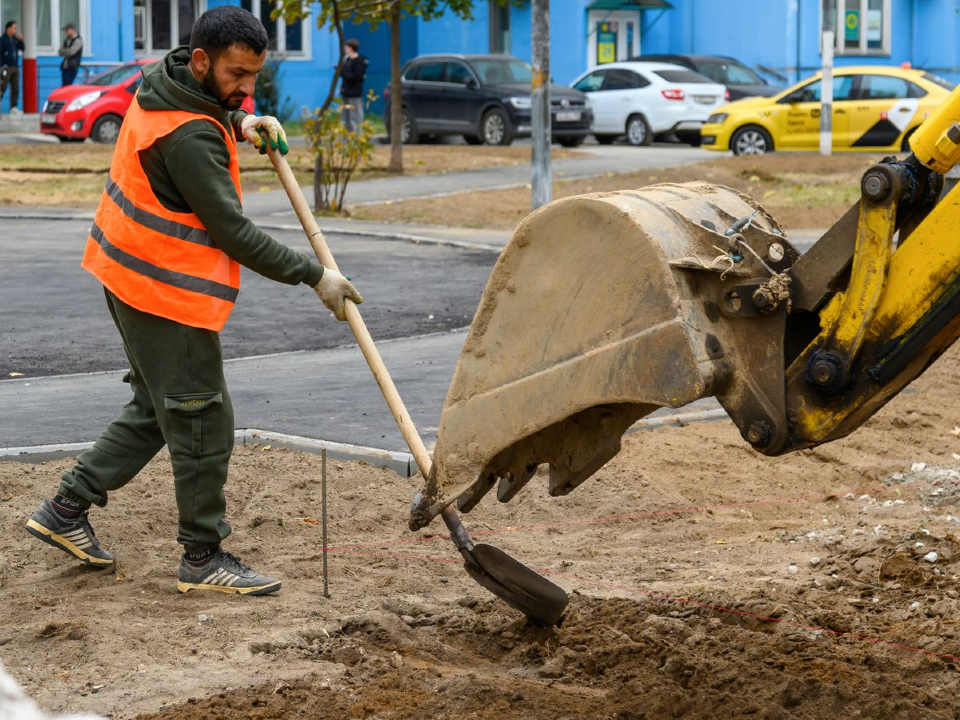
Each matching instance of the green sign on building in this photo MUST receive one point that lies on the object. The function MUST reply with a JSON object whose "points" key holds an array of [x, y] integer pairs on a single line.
{"points": [[852, 25]]}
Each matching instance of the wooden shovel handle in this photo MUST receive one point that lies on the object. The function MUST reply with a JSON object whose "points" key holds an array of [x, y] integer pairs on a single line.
{"points": [[367, 346]]}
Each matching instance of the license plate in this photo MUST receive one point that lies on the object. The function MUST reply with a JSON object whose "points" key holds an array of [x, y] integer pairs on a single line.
{"points": [[705, 99], [48, 119], [568, 116]]}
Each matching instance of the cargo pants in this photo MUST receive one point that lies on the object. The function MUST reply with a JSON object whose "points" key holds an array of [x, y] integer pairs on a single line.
{"points": [[180, 399]]}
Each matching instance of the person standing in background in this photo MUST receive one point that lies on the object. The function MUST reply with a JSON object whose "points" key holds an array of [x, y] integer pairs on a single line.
{"points": [[354, 72], [72, 52], [11, 45]]}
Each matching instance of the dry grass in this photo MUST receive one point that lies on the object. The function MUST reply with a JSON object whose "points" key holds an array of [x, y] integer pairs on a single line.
{"points": [[68, 175], [801, 191]]}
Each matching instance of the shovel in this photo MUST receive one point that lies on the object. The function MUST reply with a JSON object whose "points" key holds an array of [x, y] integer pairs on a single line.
{"points": [[540, 600]]}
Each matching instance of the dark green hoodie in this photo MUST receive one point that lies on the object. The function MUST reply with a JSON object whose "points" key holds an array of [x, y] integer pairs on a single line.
{"points": [[188, 172]]}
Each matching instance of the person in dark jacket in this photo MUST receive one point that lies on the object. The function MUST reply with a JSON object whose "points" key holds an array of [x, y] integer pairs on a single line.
{"points": [[11, 45], [353, 74], [72, 52]]}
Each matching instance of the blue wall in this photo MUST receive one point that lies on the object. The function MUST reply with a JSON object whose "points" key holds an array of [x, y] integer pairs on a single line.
{"points": [[780, 34]]}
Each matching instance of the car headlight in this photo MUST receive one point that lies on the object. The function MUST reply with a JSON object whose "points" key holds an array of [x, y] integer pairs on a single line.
{"points": [[83, 100], [717, 118], [521, 103]]}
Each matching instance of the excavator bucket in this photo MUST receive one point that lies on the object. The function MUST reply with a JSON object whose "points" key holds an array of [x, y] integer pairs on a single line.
{"points": [[601, 309]]}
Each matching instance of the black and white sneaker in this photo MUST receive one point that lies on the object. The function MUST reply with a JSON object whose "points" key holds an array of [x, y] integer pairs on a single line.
{"points": [[223, 572], [73, 536]]}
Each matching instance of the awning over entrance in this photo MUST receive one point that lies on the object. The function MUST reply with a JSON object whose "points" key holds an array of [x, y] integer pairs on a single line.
{"points": [[628, 5]]}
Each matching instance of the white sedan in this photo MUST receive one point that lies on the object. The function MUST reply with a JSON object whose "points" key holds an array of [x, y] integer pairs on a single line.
{"points": [[645, 99]]}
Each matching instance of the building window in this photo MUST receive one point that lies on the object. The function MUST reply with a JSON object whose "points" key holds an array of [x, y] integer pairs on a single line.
{"points": [[861, 27], [51, 16], [161, 25], [499, 27], [284, 39]]}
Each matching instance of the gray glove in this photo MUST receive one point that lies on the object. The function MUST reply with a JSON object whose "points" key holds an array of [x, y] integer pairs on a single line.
{"points": [[334, 290]]}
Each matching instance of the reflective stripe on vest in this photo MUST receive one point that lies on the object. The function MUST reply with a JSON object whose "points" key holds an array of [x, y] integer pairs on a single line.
{"points": [[159, 261]]}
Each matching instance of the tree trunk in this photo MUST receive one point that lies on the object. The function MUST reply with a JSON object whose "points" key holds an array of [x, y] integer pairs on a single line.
{"points": [[396, 119]]}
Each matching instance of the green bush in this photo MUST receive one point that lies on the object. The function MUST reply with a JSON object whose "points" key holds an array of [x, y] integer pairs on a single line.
{"points": [[337, 155]]}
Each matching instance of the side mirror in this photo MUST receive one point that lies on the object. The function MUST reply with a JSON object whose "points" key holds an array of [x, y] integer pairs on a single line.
{"points": [[472, 84]]}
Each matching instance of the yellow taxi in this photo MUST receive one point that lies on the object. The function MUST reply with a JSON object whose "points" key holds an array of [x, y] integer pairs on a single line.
{"points": [[875, 108]]}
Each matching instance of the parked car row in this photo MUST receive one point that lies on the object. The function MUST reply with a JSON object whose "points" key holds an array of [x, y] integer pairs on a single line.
{"points": [[487, 99]]}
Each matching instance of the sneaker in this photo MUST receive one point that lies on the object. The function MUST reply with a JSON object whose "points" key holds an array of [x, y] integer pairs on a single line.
{"points": [[16, 111], [223, 572], [75, 537]]}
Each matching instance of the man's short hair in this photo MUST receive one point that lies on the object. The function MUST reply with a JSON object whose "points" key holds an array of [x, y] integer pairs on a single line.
{"points": [[353, 43], [69, 26], [222, 27], [9, 25]]}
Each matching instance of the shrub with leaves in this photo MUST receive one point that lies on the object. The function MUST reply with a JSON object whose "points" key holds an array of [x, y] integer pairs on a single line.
{"points": [[337, 155]]}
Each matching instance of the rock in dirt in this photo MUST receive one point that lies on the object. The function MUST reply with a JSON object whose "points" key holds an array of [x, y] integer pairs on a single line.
{"points": [[866, 565]]}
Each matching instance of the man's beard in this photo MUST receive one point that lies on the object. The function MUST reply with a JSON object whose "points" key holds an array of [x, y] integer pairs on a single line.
{"points": [[231, 102]]}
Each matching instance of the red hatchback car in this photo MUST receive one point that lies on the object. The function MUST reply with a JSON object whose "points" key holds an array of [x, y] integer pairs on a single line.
{"points": [[95, 109]]}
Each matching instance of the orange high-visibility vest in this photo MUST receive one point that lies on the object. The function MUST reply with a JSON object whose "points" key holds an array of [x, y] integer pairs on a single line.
{"points": [[156, 260]]}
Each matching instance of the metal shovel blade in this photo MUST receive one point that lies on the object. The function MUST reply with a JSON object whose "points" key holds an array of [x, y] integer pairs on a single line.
{"points": [[540, 600]]}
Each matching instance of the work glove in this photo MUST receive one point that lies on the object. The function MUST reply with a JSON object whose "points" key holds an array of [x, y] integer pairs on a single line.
{"points": [[263, 129], [334, 289]]}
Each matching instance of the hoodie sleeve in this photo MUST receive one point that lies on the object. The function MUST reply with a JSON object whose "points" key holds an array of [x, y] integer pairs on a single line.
{"points": [[197, 162]]}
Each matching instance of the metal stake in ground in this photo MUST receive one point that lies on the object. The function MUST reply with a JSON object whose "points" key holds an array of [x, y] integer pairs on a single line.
{"points": [[323, 517]]}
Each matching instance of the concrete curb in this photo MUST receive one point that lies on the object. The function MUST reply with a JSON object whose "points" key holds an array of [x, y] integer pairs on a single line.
{"points": [[400, 462], [403, 237]]}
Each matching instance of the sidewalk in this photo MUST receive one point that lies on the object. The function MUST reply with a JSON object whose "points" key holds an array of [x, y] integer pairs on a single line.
{"points": [[598, 160]]}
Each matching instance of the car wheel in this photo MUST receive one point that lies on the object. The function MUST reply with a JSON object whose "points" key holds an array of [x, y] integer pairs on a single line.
{"points": [[638, 131], [495, 128], [751, 140], [605, 139], [473, 139], [408, 128], [571, 142], [905, 145], [106, 129]]}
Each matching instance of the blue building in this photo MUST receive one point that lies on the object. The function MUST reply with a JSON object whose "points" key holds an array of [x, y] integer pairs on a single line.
{"points": [[783, 35]]}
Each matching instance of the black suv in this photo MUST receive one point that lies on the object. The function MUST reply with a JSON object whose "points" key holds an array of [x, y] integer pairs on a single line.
{"points": [[740, 80], [485, 98]]}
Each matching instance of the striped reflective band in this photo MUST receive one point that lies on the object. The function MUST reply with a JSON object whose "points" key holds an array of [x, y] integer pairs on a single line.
{"points": [[170, 277], [155, 222]]}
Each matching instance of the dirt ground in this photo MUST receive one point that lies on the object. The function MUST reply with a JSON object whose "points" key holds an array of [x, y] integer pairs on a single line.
{"points": [[800, 190], [706, 581], [74, 175]]}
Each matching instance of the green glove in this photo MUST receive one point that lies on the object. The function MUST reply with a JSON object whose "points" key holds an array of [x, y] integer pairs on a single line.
{"points": [[264, 131]]}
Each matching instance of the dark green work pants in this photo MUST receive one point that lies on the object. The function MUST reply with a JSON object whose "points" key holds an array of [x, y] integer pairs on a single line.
{"points": [[180, 399]]}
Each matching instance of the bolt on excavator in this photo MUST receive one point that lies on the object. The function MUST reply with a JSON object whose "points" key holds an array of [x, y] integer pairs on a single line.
{"points": [[605, 307]]}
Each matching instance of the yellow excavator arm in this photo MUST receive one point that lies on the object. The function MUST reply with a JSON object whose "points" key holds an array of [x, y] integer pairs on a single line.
{"points": [[605, 307]]}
